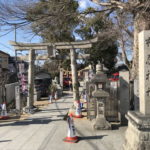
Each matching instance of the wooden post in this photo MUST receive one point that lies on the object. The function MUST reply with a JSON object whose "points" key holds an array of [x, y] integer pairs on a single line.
{"points": [[74, 75]]}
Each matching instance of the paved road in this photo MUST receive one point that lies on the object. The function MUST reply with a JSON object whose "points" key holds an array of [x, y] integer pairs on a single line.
{"points": [[46, 129]]}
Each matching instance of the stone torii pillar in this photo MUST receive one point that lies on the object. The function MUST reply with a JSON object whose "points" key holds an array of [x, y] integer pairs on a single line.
{"points": [[74, 74], [30, 98], [137, 135]]}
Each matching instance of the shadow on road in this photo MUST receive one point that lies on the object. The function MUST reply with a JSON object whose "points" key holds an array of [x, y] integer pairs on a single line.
{"points": [[91, 137], [31, 121], [52, 110], [5, 141]]}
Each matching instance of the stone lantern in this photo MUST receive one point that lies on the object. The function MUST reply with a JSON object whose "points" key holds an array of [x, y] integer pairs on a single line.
{"points": [[100, 80]]}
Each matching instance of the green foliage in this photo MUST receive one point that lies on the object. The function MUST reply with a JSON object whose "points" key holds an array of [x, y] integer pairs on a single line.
{"points": [[105, 50], [54, 20], [66, 64], [52, 67]]}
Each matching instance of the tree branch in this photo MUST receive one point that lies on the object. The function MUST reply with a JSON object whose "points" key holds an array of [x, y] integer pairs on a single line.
{"points": [[112, 3]]}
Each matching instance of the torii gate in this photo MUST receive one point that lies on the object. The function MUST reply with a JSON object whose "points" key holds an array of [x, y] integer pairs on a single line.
{"points": [[51, 47]]}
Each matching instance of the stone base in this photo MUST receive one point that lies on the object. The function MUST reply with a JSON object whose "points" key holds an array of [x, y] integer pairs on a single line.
{"points": [[137, 136], [100, 123]]}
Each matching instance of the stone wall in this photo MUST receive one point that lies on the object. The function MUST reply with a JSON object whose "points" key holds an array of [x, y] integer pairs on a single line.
{"points": [[112, 102], [10, 92], [123, 96]]}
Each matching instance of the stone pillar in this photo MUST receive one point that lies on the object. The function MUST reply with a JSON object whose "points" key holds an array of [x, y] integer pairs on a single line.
{"points": [[99, 67], [136, 95], [123, 95], [86, 79], [30, 99], [35, 97], [90, 73], [144, 72], [74, 75], [86, 76], [18, 99], [61, 78], [137, 136], [100, 123]]}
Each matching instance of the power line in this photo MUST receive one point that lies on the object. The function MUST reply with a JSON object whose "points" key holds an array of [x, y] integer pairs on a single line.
{"points": [[7, 47]]}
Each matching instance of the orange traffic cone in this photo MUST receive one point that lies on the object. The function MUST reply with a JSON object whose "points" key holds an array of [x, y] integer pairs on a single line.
{"points": [[4, 114], [78, 112], [71, 137]]}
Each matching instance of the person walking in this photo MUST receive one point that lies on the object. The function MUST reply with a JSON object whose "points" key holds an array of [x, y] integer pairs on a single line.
{"points": [[50, 94]]}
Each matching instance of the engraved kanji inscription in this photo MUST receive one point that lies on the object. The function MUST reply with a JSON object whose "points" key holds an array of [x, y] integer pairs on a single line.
{"points": [[148, 92], [148, 75], [148, 60]]}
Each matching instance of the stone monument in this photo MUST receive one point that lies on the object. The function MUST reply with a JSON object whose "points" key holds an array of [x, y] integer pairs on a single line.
{"points": [[61, 78], [100, 95], [17, 99], [137, 135]]}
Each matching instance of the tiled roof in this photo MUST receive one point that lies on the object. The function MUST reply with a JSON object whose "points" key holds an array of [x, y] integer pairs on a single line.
{"points": [[4, 52]]}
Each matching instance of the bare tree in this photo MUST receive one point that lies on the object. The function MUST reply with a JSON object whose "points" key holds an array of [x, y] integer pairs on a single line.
{"points": [[124, 31], [139, 10]]}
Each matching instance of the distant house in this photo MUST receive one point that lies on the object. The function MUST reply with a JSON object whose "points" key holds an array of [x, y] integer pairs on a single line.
{"points": [[12, 64], [7, 65], [4, 60], [42, 82]]}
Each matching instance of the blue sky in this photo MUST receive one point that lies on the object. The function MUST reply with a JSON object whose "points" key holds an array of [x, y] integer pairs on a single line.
{"points": [[23, 36]]}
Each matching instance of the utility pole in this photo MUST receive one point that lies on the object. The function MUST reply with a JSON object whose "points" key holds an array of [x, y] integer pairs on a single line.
{"points": [[15, 25]]}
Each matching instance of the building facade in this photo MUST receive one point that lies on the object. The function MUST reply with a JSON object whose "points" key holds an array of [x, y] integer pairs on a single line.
{"points": [[4, 60]]}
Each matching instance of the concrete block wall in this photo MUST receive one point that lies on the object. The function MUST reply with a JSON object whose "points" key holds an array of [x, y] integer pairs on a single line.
{"points": [[10, 92], [123, 96]]}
